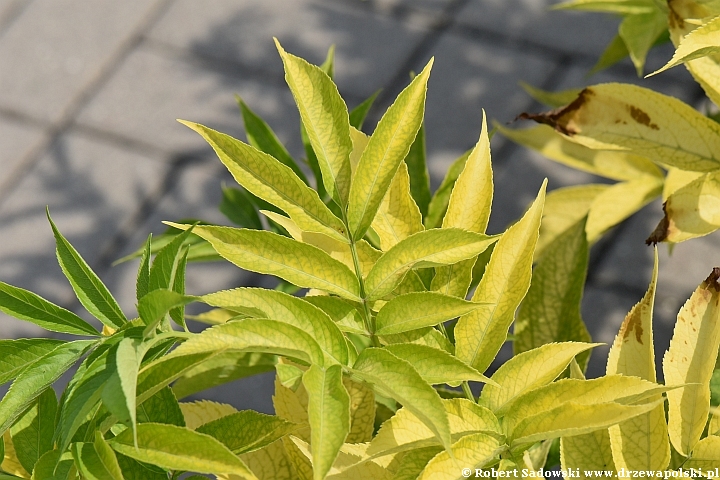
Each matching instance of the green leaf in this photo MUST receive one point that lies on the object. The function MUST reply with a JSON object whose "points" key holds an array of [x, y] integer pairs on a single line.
{"points": [[419, 176], [162, 407], [96, 461], [178, 448], [615, 51], [267, 178], [615, 116], [247, 431], [142, 284], [417, 310], [156, 304], [424, 249], [166, 263], [436, 366], [120, 389], [178, 286], [388, 146], [260, 135], [550, 311], [397, 379], [325, 117], [640, 32], [480, 334], [32, 433], [54, 466], [528, 371], [222, 369], [551, 99], [134, 470], [17, 355], [263, 303], [328, 415], [28, 306], [265, 252], [238, 205], [358, 114], [37, 377], [157, 374], [91, 292], [346, 315], [441, 198], [252, 335]]}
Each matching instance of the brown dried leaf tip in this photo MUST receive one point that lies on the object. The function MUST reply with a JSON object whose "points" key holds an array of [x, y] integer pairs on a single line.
{"points": [[559, 118], [661, 231], [712, 280]]}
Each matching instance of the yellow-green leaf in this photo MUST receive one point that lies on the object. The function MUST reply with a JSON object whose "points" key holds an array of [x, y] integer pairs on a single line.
{"points": [[618, 202], [705, 455], [676, 179], [470, 452], [588, 453], [439, 202], [469, 209], [387, 147], [471, 197], [573, 407], [398, 216], [691, 211], [480, 334], [528, 371], [551, 99], [406, 432], [328, 414], [623, 7], [424, 249], [179, 448], [550, 311], [266, 252], [247, 430], [275, 305], [96, 461], [397, 379], [269, 463], [700, 42], [565, 207], [325, 117], [683, 19], [617, 165], [203, 411], [690, 361], [640, 443], [267, 178], [627, 117], [420, 309], [436, 366], [428, 336], [362, 411]]}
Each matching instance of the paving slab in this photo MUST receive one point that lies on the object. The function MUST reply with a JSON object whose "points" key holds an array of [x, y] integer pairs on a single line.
{"points": [[17, 140], [8, 10], [531, 20], [369, 47], [468, 77], [43, 73], [154, 87], [92, 190]]}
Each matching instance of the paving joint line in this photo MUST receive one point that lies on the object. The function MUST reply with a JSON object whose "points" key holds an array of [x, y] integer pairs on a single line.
{"points": [[82, 98]]}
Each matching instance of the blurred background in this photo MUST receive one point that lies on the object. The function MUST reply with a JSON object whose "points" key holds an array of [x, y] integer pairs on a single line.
{"points": [[90, 90]]}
